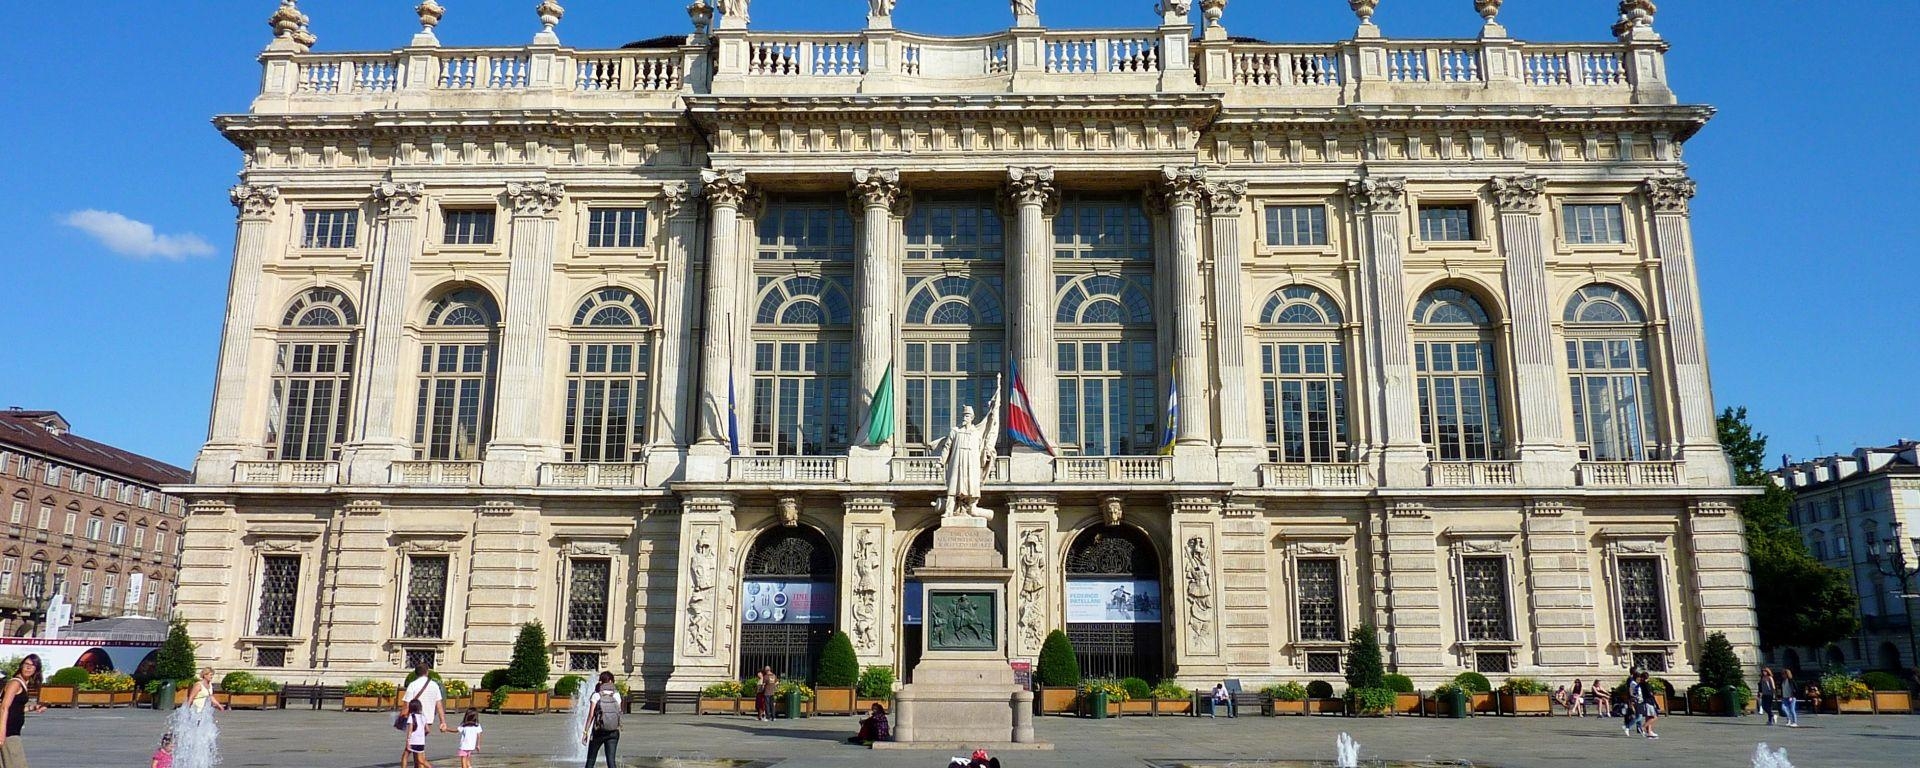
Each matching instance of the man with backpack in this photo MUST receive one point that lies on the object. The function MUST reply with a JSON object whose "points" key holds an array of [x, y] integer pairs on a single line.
{"points": [[603, 721]]}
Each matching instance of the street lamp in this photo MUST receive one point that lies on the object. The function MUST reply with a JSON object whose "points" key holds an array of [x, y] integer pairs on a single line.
{"points": [[1888, 559], [37, 597]]}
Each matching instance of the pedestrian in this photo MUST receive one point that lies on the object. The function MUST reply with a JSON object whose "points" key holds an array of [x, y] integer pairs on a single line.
{"points": [[415, 754], [422, 686], [1219, 698], [23, 685], [196, 737], [602, 729], [1769, 693], [1790, 698], [1649, 706], [1631, 706], [469, 737], [163, 755], [766, 682]]}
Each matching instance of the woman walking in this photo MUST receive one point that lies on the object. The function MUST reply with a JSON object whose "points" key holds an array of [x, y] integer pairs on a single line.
{"points": [[196, 738], [763, 695], [1789, 699], [1769, 693], [603, 721], [24, 684]]}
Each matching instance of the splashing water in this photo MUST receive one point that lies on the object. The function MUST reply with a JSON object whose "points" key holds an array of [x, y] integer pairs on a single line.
{"points": [[1347, 753], [1764, 758], [196, 738], [572, 747]]}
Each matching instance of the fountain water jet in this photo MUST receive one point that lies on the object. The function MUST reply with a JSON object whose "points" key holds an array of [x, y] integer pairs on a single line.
{"points": [[574, 748], [1764, 758], [1347, 753]]}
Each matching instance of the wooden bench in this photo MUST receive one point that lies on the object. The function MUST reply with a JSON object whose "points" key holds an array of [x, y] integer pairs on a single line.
{"points": [[664, 701], [316, 695]]}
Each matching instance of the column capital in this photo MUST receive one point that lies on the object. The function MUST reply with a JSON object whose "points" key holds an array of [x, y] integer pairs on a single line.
{"points": [[1184, 184], [1194, 503], [1518, 194], [1412, 509], [398, 198], [878, 188], [674, 196], [535, 198], [254, 201], [1226, 197], [1379, 194], [1671, 194], [726, 187], [869, 504], [1031, 185], [1713, 508], [1032, 503], [708, 503], [209, 507]]}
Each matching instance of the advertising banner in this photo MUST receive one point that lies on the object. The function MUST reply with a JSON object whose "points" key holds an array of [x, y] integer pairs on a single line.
{"points": [[787, 602], [914, 603], [1122, 601]]}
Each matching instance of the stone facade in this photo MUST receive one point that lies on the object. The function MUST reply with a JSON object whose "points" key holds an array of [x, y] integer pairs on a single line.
{"points": [[1351, 270]]}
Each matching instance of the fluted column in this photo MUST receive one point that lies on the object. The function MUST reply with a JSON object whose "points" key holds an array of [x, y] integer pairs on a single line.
{"points": [[1186, 188], [227, 438], [1699, 442], [517, 449], [375, 440], [876, 193], [1031, 191], [1538, 435], [726, 192], [678, 294], [1396, 422]]}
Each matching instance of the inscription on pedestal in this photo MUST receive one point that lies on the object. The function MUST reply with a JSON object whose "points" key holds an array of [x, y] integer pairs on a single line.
{"points": [[961, 620]]}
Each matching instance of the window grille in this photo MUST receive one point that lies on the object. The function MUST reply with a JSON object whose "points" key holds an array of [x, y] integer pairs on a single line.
{"points": [[426, 596], [1484, 596], [587, 599], [1323, 663], [279, 588], [1643, 612], [418, 656], [1652, 661], [270, 657], [1498, 663], [583, 661], [1318, 586]]}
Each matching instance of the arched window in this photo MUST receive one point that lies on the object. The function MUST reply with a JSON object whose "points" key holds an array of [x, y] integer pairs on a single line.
{"points": [[312, 385], [1108, 368], [609, 363], [1457, 386], [453, 413], [1115, 601], [802, 366], [954, 349], [1303, 376], [1609, 376]]}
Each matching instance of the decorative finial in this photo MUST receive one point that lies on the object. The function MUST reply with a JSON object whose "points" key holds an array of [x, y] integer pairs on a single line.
{"points": [[287, 19], [430, 13], [1487, 8], [549, 13], [701, 15], [1634, 15], [1364, 10], [305, 38], [1212, 10]]}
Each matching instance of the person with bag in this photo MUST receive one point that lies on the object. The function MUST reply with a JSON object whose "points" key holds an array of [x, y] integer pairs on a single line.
{"points": [[424, 689], [1769, 692], [603, 721]]}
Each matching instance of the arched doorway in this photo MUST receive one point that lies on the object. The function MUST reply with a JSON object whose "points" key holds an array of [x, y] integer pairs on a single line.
{"points": [[1890, 657], [913, 605], [1791, 659], [1835, 658], [787, 602], [1114, 604]]}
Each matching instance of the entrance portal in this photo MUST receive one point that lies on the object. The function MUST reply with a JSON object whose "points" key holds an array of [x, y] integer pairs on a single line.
{"points": [[787, 602], [1114, 604], [913, 605]]}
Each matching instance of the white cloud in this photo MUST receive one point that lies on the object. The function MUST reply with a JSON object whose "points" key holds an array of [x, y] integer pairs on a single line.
{"points": [[129, 237]]}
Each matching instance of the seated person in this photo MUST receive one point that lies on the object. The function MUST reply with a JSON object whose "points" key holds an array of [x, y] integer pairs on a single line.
{"points": [[1602, 700], [873, 727]]}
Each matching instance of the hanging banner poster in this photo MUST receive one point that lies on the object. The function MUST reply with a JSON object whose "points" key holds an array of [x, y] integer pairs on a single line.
{"points": [[1120, 601], [787, 602], [913, 603]]}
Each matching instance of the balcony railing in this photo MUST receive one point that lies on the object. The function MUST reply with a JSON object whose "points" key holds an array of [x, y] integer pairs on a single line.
{"points": [[1471, 474], [595, 475], [435, 473], [792, 469], [286, 472], [1344, 475], [1113, 469], [928, 469], [1628, 473]]}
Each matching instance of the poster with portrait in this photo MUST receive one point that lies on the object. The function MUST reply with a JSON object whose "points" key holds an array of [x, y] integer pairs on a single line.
{"points": [[1116, 601], [786, 602]]}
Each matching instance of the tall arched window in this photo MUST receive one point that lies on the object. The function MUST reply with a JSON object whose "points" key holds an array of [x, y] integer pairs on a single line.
{"points": [[608, 365], [1608, 375], [1108, 370], [802, 366], [954, 348], [1303, 376], [312, 377], [453, 414], [1457, 385]]}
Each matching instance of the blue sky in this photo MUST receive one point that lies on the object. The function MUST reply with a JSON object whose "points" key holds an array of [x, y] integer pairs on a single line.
{"points": [[1805, 223]]}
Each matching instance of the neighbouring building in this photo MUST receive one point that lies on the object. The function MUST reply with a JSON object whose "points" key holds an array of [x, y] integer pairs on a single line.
{"points": [[85, 520], [1401, 332], [1860, 513]]}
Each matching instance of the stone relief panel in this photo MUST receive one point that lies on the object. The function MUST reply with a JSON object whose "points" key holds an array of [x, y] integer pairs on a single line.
{"points": [[1031, 613], [702, 576], [1199, 578], [866, 591]]}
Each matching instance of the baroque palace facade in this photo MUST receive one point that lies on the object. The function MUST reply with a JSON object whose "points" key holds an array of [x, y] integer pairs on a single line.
{"points": [[1371, 331]]}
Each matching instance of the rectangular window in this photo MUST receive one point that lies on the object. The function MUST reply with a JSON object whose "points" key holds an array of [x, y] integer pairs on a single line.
{"points": [[107, 589], [1318, 582], [587, 599], [1459, 399], [146, 499], [1612, 390], [312, 385], [6, 575], [1102, 228], [607, 394], [93, 528], [941, 378], [1305, 394], [153, 601], [1446, 223], [426, 596], [1109, 398], [73, 521], [46, 519], [118, 534], [79, 481], [1643, 612], [815, 231], [1292, 225], [616, 227], [955, 229], [19, 512], [802, 397], [330, 229], [1594, 224], [279, 587], [451, 416], [139, 538], [472, 226], [160, 542], [271, 657], [1483, 587], [53, 475], [86, 587]]}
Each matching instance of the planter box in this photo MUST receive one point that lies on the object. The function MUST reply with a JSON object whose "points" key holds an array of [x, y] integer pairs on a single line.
{"points": [[58, 695], [1482, 704], [458, 705], [1406, 703], [250, 700], [1437, 707], [724, 706], [1327, 706], [103, 698], [1526, 704], [1833, 706], [1892, 702], [834, 701], [179, 698], [1172, 706], [559, 703], [1137, 707], [1058, 701], [353, 703], [1288, 707], [525, 702]]}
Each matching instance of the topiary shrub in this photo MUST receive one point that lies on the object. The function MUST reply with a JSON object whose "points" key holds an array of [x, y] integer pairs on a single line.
{"points": [[1397, 683], [839, 667], [1719, 666], [494, 678], [1320, 689], [530, 665], [876, 683], [174, 660], [1883, 681], [1058, 667], [1136, 688], [73, 676], [1473, 682], [568, 686], [1286, 692], [1364, 666]]}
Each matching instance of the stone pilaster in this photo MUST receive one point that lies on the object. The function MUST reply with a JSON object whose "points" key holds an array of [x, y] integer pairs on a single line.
{"points": [[357, 607], [1197, 595], [211, 565], [705, 597], [504, 591], [1412, 587], [228, 440], [877, 195], [867, 591], [375, 440], [518, 447], [1560, 588], [1240, 453], [1538, 435], [1722, 588], [726, 191], [678, 294], [1396, 417], [1031, 192], [1698, 440], [1186, 189], [1032, 523], [1248, 635]]}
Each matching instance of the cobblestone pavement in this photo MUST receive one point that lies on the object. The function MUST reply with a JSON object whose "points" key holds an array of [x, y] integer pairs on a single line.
{"points": [[305, 739]]}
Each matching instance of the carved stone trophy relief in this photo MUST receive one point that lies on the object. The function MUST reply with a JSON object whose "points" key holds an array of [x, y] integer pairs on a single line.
{"points": [[866, 591], [1199, 576], [701, 576], [1033, 580]]}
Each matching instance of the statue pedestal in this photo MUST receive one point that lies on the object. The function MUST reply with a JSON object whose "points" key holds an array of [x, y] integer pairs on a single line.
{"points": [[963, 695]]}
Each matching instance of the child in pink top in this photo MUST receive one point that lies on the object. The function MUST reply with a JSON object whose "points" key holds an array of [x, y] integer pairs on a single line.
{"points": [[163, 757]]}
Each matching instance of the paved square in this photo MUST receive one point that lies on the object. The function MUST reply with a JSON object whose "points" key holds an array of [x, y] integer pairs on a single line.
{"points": [[306, 739]]}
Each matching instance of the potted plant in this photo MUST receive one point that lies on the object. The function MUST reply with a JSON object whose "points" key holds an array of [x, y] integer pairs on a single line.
{"points": [[370, 696], [493, 678], [1287, 698], [459, 696], [721, 697], [173, 664], [1320, 699], [1479, 692], [1139, 699], [835, 685], [63, 687], [1101, 698], [1448, 700], [104, 689], [875, 686], [1057, 676], [1405, 701], [1845, 695], [564, 689], [523, 689], [1890, 694], [1525, 696], [245, 690], [1170, 698]]}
